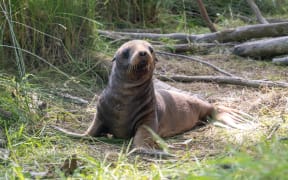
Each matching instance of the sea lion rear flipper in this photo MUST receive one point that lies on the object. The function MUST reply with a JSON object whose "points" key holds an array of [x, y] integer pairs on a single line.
{"points": [[227, 117]]}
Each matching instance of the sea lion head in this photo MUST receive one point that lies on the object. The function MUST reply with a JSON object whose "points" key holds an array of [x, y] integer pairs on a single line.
{"points": [[136, 59]]}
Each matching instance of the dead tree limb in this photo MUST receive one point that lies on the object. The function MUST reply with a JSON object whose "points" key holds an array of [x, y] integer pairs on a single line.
{"points": [[281, 60], [223, 80], [257, 12], [231, 35], [193, 47], [205, 16], [162, 85], [263, 48], [196, 60], [155, 30]]}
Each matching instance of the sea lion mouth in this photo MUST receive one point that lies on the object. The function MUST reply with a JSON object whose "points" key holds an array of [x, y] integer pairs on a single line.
{"points": [[141, 67]]}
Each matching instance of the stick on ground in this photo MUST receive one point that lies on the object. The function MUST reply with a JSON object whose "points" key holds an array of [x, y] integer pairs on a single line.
{"points": [[196, 60], [223, 80]]}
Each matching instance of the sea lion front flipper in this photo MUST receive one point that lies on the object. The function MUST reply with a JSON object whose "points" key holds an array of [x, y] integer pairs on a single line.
{"points": [[94, 130], [144, 139], [144, 143]]}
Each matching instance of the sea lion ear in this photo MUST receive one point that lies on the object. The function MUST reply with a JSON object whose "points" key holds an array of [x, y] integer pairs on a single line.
{"points": [[114, 58]]}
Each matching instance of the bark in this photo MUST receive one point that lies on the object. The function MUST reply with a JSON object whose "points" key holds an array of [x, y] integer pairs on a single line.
{"points": [[223, 80], [273, 20], [193, 47], [156, 30], [281, 60], [205, 16], [263, 48], [257, 12], [239, 34]]}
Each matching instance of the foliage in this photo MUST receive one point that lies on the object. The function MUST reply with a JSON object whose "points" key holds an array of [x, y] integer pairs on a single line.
{"points": [[50, 29]]}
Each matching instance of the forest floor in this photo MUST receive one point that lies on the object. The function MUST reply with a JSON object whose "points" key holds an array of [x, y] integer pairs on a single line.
{"points": [[204, 153]]}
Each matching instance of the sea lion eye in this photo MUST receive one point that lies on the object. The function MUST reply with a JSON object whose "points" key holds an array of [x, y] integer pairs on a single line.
{"points": [[150, 49], [126, 53]]}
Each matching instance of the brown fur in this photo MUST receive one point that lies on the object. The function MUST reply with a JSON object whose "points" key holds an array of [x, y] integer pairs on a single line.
{"points": [[130, 103]]}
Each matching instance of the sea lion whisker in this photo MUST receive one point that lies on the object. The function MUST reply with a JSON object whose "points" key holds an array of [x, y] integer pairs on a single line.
{"points": [[129, 68]]}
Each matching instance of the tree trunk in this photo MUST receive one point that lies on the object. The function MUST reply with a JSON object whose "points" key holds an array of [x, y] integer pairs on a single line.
{"points": [[232, 35], [263, 48], [257, 12], [205, 16]]}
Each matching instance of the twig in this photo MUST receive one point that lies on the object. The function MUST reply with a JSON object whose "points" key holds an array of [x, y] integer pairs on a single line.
{"points": [[74, 99], [5, 114], [223, 80], [274, 128], [196, 60]]}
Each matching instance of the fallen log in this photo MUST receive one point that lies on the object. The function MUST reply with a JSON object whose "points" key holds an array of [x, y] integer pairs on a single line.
{"points": [[281, 60], [223, 80], [263, 48], [155, 30], [231, 35], [193, 47]]}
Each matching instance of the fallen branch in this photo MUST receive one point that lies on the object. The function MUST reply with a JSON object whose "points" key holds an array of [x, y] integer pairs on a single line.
{"points": [[196, 60], [73, 99], [263, 48], [257, 12], [274, 128], [155, 30], [205, 16], [194, 47], [243, 33], [281, 60], [5, 114], [223, 80]]}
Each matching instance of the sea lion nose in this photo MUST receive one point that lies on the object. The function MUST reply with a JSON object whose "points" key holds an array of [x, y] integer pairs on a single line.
{"points": [[142, 53]]}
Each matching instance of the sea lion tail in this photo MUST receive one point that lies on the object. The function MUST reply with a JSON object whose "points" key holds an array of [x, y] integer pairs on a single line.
{"points": [[68, 133]]}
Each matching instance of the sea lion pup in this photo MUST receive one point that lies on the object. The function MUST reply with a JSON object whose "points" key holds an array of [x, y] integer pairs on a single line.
{"points": [[130, 106]]}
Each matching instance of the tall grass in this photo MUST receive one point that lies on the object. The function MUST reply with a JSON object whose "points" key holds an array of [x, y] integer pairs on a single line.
{"points": [[55, 30], [7, 12]]}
